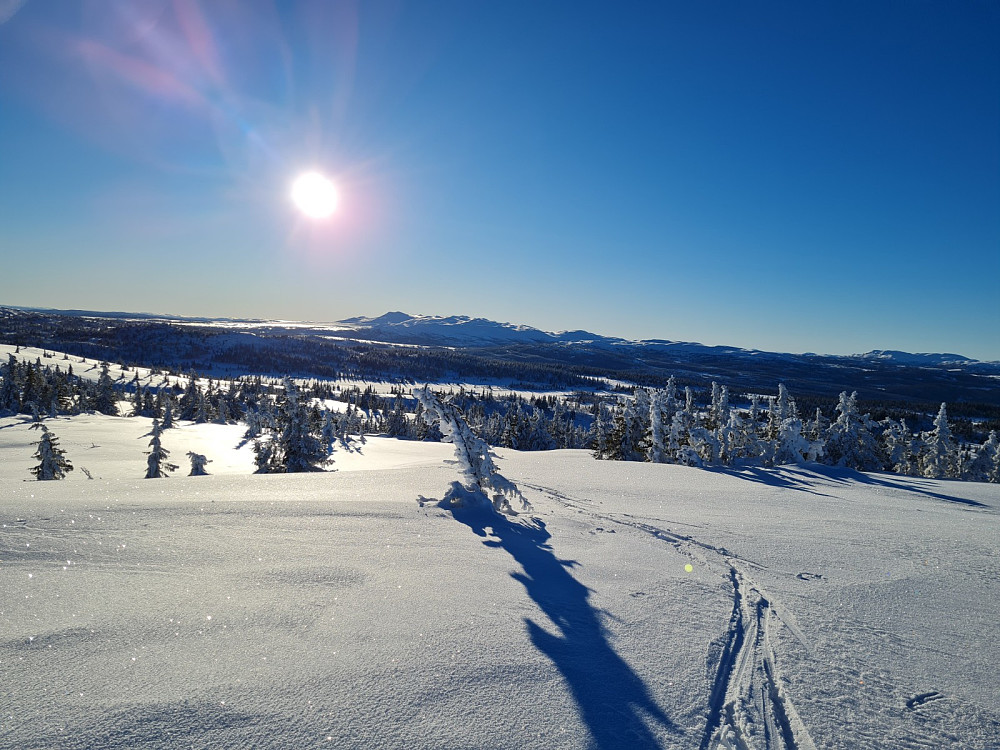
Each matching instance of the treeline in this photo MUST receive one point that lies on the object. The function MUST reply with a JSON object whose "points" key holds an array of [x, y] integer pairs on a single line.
{"points": [[659, 426], [656, 425]]}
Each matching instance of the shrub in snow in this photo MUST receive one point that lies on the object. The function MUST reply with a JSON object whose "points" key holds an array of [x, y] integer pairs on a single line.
{"points": [[52, 462], [481, 480], [198, 463]]}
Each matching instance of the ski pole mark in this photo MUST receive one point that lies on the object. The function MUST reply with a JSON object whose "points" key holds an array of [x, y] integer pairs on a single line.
{"points": [[923, 699]]}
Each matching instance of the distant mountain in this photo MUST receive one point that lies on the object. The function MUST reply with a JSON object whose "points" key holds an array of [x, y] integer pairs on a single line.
{"points": [[461, 330], [464, 348], [451, 330], [906, 358]]}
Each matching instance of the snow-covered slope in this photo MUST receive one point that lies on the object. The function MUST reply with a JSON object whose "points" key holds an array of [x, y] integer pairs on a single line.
{"points": [[639, 605]]}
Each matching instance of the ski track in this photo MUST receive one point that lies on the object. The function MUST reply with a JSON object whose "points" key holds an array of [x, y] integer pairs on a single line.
{"points": [[749, 708]]}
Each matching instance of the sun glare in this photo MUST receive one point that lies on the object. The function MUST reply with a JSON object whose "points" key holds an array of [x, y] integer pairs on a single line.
{"points": [[314, 195]]}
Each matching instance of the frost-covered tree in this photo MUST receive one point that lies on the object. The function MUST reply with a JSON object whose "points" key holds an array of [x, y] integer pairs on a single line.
{"points": [[396, 424], [985, 467], [816, 429], [188, 402], [479, 474], [294, 447], [329, 430], [599, 431], [168, 411], [52, 461], [939, 457], [656, 447], [105, 398], [623, 439], [198, 463], [538, 436], [157, 457], [850, 440], [10, 392], [897, 446], [683, 424]]}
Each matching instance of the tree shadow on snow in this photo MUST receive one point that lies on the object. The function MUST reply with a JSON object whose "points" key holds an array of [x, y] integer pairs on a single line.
{"points": [[917, 485], [776, 477], [806, 477], [613, 701]]}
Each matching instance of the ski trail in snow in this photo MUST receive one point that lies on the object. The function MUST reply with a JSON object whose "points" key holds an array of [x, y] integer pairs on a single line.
{"points": [[749, 709]]}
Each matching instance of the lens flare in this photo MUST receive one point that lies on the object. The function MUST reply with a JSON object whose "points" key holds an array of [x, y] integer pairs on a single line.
{"points": [[314, 195]]}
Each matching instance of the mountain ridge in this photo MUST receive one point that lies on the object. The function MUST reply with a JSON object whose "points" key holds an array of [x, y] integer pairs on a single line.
{"points": [[451, 330]]}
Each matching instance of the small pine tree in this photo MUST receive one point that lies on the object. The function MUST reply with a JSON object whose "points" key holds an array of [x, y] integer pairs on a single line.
{"points": [[157, 465], [480, 475], [105, 399], [52, 462]]}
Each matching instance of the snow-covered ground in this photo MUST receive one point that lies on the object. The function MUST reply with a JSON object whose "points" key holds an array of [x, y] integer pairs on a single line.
{"points": [[638, 605]]}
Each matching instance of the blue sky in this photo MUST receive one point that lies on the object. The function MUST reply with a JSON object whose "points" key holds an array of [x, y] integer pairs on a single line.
{"points": [[785, 176]]}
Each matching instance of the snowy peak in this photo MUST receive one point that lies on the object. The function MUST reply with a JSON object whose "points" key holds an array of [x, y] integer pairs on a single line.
{"points": [[452, 329], [907, 358]]}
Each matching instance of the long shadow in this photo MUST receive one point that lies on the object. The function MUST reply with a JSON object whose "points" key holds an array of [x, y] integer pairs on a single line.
{"points": [[613, 701], [840, 474], [776, 477], [804, 478]]}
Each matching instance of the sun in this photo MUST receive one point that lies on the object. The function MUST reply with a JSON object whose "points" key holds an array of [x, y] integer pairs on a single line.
{"points": [[314, 195]]}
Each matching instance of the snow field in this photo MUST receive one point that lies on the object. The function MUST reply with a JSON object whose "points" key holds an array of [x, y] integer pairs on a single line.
{"points": [[344, 609]]}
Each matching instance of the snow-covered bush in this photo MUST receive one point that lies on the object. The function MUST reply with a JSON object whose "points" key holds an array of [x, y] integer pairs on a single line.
{"points": [[198, 463]]}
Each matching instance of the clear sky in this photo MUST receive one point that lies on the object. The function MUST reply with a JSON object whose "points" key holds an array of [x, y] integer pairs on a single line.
{"points": [[790, 176]]}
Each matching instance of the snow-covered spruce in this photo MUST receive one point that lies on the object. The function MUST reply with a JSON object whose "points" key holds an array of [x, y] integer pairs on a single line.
{"points": [[157, 463], [52, 461], [480, 478], [296, 444]]}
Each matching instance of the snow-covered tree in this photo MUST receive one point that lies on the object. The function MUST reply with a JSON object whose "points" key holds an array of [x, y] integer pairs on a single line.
{"points": [[168, 410], [939, 457], [198, 463], [681, 427], [599, 431], [656, 448], [295, 447], [105, 398], [329, 430], [850, 441], [10, 392], [396, 424], [157, 463], [897, 446], [52, 461], [985, 467], [479, 474], [624, 437]]}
